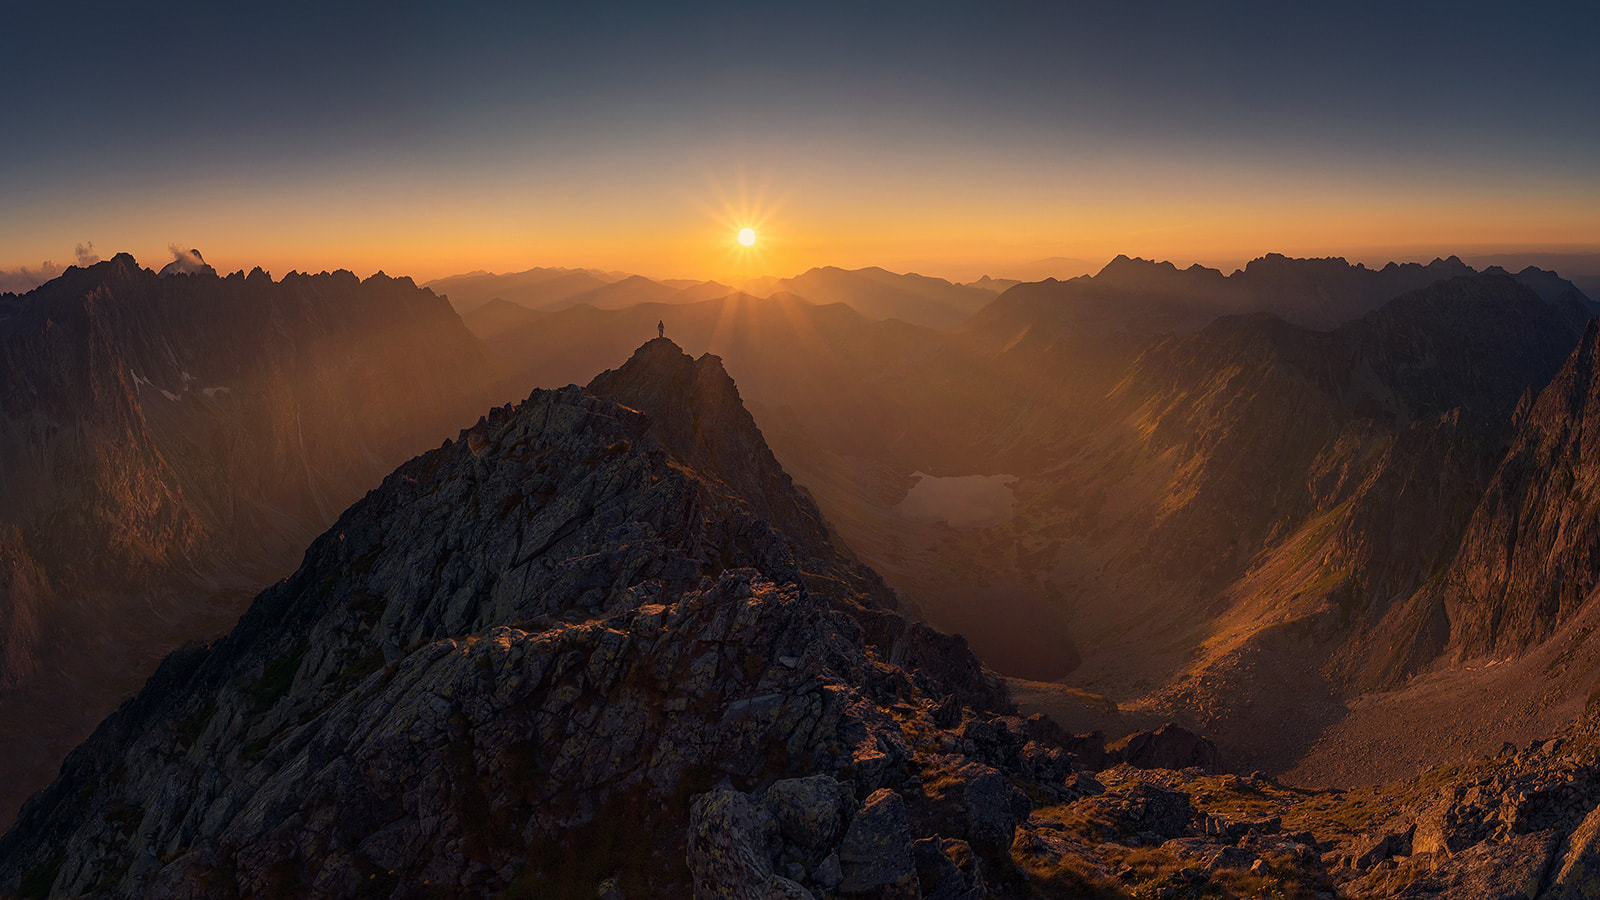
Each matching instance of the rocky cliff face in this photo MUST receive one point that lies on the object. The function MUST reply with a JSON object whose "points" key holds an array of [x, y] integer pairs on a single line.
{"points": [[1232, 440], [170, 442], [1531, 554]]}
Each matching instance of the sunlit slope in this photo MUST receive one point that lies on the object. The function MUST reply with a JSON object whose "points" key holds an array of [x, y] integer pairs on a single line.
{"points": [[1243, 533]]}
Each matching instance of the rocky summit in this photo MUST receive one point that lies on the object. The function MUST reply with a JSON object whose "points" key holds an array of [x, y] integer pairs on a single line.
{"points": [[600, 646]]}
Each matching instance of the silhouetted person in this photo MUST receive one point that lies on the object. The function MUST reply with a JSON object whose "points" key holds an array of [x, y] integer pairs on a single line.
{"points": [[661, 329]]}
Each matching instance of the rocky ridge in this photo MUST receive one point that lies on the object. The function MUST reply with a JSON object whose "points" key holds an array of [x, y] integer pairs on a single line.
{"points": [[554, 620]]}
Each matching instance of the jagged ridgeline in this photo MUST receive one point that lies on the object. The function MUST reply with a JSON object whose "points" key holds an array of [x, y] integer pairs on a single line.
{"points": [[169, 443], [510, 666]]}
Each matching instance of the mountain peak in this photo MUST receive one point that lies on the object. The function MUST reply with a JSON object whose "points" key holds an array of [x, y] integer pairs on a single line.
{"points": [[187, 262], [695, 407], [1138, 273]]}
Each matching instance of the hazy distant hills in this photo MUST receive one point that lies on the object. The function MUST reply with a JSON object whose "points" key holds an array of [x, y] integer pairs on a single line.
{"points": [[1137, 296], [826, 363], [551, 289], [169, 442], [873, 292], [880, 294], [1582, 269]]}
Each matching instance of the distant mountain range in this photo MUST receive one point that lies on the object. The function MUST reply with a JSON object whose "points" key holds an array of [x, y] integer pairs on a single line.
{"points": [[169, 444], [875, 293], [551, 289]]}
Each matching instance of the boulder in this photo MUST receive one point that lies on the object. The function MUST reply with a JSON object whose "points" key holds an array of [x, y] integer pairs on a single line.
{"points": [[1147, 809], [1509, 870], [1231, 858], [876, 855], [993, 807], [811, 813], [731, 845], [1577, 875], [1168, 747], [948, 870], [1381, 845]]}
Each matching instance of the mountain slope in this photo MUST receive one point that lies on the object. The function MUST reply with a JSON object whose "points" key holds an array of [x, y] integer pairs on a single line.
{"points": [[1239, 541], [169, 444], [549, 627]]}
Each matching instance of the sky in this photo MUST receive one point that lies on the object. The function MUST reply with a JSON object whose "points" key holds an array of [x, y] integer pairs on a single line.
{"points": [[951, 138]]}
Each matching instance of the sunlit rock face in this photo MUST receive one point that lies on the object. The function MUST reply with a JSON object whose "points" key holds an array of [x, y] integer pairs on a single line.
{"points": [[169, 444], [1530, 556]]}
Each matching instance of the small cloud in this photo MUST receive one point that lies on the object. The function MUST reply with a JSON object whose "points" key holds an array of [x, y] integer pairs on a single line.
{"points": [[23, 279], [85, 254], [186, 262]]}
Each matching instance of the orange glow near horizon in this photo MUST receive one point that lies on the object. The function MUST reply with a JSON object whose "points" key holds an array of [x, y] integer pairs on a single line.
{"points": [[997, 223]]}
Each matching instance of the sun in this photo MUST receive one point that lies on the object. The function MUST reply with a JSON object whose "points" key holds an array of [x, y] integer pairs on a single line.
{"points": [[747, 237]]}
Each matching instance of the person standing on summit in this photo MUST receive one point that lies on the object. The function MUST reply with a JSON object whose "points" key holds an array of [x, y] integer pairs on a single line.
{"points": [[661, 329]]}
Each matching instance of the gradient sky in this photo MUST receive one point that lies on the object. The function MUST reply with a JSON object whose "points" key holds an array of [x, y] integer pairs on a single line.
{"points": [[948, 137]]}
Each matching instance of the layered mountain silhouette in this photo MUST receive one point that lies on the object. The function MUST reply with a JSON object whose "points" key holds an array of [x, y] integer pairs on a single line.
{"points": [[875, 293], [880, 294], [553, 289], [169, 444]]}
